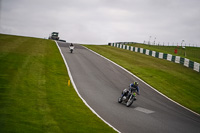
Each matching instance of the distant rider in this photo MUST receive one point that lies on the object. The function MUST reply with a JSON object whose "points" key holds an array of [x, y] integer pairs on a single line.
{"points": [[133, 87], [71, 45]]}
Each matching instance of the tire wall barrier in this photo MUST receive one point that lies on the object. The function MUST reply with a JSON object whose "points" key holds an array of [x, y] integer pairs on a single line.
{"points": [[176, 59]]}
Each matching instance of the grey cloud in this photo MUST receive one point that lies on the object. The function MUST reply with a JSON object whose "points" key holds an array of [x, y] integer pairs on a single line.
{"points": [[102, 21]]}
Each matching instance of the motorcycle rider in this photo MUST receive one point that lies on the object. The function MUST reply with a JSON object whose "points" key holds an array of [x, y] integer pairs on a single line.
{"points": [[71, 45], [133, 87]]}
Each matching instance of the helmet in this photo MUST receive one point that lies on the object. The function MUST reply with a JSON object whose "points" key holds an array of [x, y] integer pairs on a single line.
{"points": [[136, 83]]}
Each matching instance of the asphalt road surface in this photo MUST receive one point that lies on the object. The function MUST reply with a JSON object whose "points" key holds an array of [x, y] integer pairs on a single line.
{"points": [[100, 83]]}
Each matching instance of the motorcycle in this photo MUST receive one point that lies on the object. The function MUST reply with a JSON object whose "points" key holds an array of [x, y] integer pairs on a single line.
{"points": [[71, 48], [127, 97]]}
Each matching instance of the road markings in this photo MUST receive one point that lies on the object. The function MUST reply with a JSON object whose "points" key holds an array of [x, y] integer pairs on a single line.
{"points": [[144, 82], [74, 85], [147, 111]]}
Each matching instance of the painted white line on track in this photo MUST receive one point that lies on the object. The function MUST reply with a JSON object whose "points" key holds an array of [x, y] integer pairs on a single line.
{"points": [[74, 85], [147, 111], [143, 82]]}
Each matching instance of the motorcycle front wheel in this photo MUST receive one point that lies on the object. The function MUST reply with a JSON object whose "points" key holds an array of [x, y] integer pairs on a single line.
{"points": [[129, 102]]}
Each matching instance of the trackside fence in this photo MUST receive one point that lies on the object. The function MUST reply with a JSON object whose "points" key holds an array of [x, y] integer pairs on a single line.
{"points": [[176, 59]]}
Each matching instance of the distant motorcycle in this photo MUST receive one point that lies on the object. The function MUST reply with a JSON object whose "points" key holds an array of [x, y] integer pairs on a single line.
{"points": [[128, 96], [71, 48]]}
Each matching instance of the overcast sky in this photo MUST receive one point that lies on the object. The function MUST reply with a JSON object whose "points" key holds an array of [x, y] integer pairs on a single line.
{"points": [[103, 21]]}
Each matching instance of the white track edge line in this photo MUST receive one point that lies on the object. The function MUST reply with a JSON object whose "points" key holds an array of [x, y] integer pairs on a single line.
{"points": [[143, 82], [72, 81]]}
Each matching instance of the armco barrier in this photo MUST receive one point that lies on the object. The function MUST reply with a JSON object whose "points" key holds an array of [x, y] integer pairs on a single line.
{"points": [[177, 59]]}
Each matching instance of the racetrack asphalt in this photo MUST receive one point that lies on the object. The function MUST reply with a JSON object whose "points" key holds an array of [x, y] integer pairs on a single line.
{"points": [[100, 83]]}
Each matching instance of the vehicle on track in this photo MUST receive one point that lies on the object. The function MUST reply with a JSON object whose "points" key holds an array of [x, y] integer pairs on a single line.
{"points": [[127, 97], [71, 48]]}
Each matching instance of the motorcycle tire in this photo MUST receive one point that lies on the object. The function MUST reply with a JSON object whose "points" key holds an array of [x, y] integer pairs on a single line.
{"points": [[119, 99], [129, 102]]}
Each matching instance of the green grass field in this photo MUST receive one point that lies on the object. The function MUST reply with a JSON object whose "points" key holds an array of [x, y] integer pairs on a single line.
{"points": [[34, 94], [192, 53], [179, 83]]}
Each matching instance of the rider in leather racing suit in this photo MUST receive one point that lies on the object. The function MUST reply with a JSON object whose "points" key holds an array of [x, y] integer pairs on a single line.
{"points": [[135, 86], [132, 87], [71, 44]]}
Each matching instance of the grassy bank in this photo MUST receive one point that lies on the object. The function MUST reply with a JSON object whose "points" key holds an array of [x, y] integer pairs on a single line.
{"points": [[174, 80], [34, 95], [192, 53]]}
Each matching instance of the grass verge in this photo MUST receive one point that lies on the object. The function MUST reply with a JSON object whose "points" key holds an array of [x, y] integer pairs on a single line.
{"points": [[174, 80], [34, 95]]}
